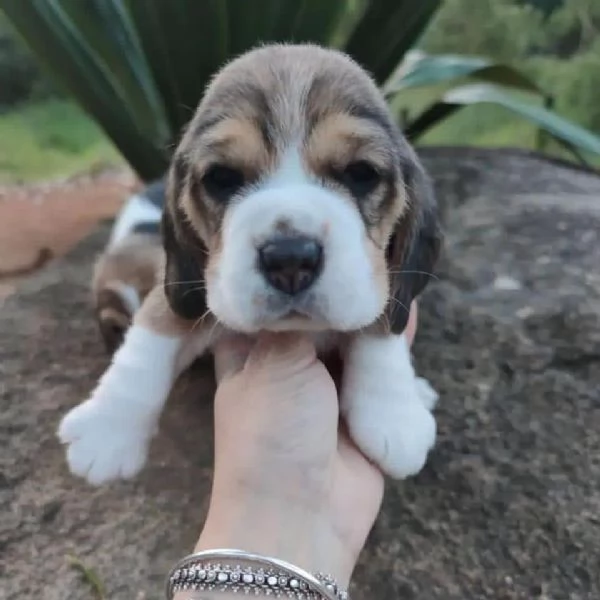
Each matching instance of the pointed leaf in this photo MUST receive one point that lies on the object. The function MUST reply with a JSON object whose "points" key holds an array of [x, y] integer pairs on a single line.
{"points": [[319, 21], [108, 30], [386, 30], [60, 46], [425, 70], [184, 42], [560, 128]]}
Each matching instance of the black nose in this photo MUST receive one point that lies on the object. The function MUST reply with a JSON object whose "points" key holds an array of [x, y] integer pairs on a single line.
{"points": [[291, 264]]}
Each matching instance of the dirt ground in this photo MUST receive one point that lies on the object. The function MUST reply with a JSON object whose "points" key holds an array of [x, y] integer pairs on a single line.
{"points": [[43, 221], [508, 505]]}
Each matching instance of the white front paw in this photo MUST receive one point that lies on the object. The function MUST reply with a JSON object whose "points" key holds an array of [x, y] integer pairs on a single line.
{"points": [[104, 445], [398, 439]]}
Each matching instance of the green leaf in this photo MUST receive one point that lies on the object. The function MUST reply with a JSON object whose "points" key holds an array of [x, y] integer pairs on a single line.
{"points": [[419, 70], [57, 37], [319, 21], [187, 42], [88, 575], [561, 129], [140, 67], [386, 30], [184, 42], [107, 28]]}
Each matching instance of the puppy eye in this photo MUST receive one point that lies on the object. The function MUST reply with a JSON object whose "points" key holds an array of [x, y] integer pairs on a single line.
{"points": [[222, 181], [360, 177]]}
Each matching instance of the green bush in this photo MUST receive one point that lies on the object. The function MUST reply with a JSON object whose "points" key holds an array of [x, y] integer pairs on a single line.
{"points": [[546, 6], [502, 29], [574, 84], [50, 138]]}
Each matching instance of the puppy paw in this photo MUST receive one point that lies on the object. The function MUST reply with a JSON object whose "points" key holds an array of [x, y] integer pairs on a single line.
{"points": [[429, 397], [399, 440], [103, 445]]}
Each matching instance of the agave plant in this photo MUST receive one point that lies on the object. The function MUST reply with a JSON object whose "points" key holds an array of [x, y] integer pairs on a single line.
{"points": [[139, 67]]}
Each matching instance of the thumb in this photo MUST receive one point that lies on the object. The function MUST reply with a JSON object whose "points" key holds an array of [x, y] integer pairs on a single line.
{"points": [[230, 355], [287, 352]]}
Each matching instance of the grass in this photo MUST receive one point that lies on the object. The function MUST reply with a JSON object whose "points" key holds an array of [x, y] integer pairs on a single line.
{"points": [[50, 140], [89, 576], [57, 139]]}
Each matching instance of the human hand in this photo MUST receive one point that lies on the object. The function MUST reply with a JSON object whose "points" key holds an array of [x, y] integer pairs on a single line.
{"points": [[288, 481]]}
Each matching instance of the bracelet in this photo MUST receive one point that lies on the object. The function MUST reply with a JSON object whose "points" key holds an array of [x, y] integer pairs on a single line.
{"points": [[238, 571]]}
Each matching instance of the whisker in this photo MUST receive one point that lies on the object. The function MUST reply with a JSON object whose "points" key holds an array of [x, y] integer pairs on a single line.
{"points": [[192, 290], [212, 330], [201, 281], [400, 303], [198, 321], [432, 275]]}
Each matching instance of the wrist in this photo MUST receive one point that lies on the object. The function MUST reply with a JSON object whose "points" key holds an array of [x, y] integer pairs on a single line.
{"points": [[263, 525]]}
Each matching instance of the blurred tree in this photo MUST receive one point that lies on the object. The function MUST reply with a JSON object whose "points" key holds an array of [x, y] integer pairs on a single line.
{"points": [[504, 29], [21, 77], [546, 6], [574, 82], [574, 27]]}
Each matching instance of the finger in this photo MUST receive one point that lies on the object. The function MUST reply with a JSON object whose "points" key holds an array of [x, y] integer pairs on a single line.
{"points": [[353, 455], [282, 350], [230, 355]]}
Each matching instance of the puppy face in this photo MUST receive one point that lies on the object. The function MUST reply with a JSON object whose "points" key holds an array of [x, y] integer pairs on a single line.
{"points": [[294, 202]]}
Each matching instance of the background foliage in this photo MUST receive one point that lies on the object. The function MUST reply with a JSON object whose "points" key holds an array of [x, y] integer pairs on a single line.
{"points": [[21, 78], [556, 42], [561, 49]]}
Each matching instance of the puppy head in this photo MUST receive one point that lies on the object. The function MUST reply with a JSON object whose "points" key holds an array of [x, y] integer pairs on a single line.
{"points": [[294, 202]]}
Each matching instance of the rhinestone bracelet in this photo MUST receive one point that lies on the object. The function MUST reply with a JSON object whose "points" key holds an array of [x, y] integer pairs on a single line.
{"points": [[237, 571]]}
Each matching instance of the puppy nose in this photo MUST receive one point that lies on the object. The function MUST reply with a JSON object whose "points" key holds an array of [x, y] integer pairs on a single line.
{"points": [[291, 264]]}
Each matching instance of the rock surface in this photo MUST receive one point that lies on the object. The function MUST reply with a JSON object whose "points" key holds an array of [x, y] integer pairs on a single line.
{"points": [[45, 220], [509, 505]]}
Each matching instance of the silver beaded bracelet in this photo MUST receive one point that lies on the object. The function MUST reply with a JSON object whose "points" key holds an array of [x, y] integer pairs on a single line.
{"points": [[241, 572]]}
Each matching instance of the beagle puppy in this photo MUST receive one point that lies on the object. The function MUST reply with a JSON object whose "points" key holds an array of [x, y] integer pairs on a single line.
{"points": [[293, 203]]}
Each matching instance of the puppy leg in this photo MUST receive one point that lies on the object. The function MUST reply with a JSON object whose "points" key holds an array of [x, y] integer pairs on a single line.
{"points": [[387, 408], [123, 276], [108, 435]]}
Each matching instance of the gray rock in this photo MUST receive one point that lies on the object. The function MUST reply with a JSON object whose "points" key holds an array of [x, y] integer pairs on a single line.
{"points": [[509, 505]]}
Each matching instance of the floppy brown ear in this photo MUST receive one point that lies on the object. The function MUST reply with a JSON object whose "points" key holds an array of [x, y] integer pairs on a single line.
{"points": [[184, 283], [414, 246], [185, 253]]}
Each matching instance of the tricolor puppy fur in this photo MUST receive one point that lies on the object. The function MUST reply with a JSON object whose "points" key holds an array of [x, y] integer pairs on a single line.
{"points": [[129, 266], [293, 203]]}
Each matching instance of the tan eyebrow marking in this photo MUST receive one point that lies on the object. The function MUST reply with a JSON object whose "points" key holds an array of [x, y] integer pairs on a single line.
{"points": [[233, 140], [340, 138]]}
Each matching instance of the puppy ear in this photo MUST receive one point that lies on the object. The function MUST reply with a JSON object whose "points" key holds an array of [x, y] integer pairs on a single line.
{"points": [[414, 246], [184, 283]]}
